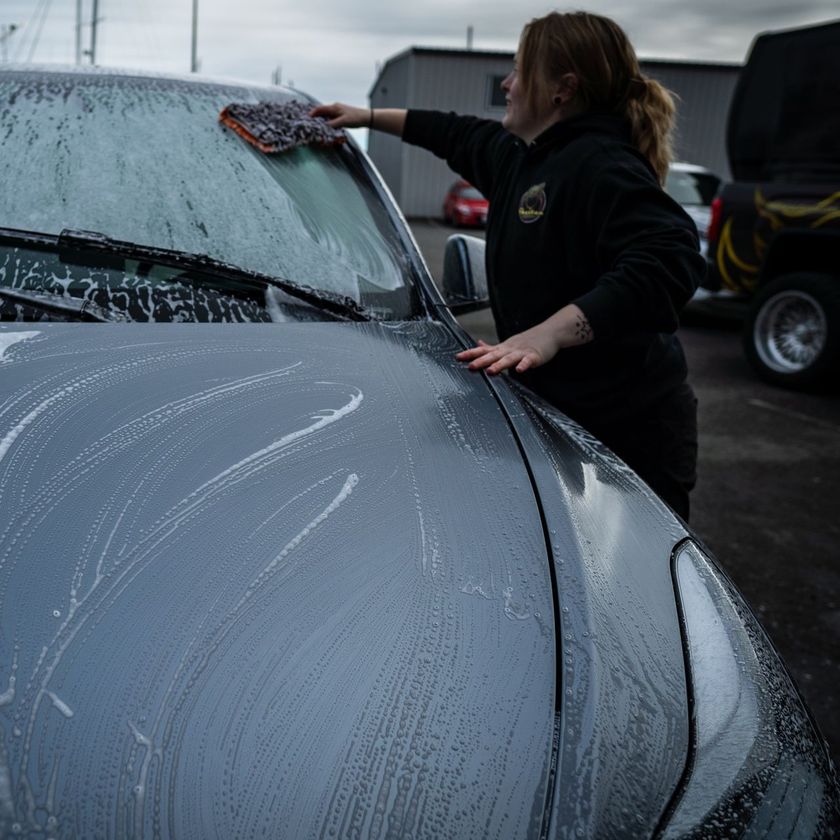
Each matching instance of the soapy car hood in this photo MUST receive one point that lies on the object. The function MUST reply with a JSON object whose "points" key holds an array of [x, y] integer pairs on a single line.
{"points": [[295, 580]]}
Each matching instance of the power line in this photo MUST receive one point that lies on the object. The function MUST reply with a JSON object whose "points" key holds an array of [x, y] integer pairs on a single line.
{"points": [[29, 27], [41, 23], [25, 30]]}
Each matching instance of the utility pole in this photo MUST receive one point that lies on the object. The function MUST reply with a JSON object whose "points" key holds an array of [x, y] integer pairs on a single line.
{"points": [[94, 20], [277, 75], [6, 32], [194, 57], [78, 31], [469, 37]]}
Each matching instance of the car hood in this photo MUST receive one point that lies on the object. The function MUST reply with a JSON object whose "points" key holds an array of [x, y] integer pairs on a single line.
{"points": [[266, 580], [624, 727]]}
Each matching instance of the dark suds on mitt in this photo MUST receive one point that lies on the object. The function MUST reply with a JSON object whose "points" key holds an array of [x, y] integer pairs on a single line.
{"points": [[278, 127]]}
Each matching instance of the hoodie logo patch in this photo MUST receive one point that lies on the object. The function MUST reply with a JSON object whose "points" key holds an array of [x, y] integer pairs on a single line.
{"points": [[532, 204]]}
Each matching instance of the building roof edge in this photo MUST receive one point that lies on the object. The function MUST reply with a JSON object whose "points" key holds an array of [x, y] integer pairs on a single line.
{"points": [[508, 54]]}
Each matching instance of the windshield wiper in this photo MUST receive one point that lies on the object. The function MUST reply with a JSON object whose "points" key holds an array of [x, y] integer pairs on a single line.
{"points": [[78, 308], [98, 245]]}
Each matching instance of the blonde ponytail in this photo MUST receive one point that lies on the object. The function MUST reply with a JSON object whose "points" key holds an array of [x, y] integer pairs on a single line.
{"points": [[651, 114]]}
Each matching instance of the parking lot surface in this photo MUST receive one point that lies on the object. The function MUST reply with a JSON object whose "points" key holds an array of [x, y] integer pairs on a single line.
{"points": [[767, 502]]}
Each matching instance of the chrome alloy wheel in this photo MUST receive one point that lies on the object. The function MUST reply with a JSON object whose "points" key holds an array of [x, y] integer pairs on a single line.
{"points": [[790, 331]]}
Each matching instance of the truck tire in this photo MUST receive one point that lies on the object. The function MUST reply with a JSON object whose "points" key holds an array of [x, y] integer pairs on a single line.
{"points": [[792, 331]]}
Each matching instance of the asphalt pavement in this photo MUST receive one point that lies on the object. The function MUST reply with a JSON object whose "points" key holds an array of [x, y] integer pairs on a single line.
{"points": [[767, 502]]}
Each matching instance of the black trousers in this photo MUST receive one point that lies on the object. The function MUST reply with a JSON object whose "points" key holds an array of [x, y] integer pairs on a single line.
{"points": [[661, 446]]}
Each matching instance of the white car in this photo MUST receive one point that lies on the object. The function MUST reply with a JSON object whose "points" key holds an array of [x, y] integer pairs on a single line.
{"points": [[694, 187]]}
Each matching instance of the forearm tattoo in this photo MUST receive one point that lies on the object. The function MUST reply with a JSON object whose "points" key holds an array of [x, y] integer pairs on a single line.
{"points": [[583, 332]]}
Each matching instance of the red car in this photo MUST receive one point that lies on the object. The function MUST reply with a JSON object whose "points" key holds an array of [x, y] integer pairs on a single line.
{"points": [[465, 206]]}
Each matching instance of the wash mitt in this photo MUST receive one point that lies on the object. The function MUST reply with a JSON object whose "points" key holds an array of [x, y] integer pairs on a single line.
{"points": [[280, 126]]}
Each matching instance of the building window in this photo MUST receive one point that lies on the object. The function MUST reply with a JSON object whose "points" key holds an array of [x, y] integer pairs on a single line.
{"points": [[495, 94]]}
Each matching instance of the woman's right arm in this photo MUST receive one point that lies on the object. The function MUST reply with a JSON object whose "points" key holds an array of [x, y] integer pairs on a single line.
{"points": [[338, 115], [474, 148]]}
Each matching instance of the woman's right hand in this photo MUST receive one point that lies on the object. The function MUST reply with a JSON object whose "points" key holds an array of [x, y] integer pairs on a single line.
{"points": [[339, 115]]}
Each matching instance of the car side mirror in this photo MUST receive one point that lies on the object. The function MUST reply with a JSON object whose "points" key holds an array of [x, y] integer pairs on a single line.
{"points": [[464, 274]]}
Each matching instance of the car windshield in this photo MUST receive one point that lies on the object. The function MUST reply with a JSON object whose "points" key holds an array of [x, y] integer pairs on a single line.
{"points": [[692, 187], [146, 160]]}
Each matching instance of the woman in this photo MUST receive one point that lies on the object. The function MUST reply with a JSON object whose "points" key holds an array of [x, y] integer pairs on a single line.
{"points": [[588, 260]]}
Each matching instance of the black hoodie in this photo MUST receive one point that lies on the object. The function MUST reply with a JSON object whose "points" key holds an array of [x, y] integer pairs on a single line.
{"points": [[578, 216]]}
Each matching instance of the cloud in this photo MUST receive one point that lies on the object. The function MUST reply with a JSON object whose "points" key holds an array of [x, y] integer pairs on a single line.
{"points": [[331, 48]]}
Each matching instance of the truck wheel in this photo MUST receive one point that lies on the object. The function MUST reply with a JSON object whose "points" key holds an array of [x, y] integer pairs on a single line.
{"points": [[792, 331]]}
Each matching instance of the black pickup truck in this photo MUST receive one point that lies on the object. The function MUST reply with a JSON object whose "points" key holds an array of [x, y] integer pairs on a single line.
{"points": [[774, 237]]}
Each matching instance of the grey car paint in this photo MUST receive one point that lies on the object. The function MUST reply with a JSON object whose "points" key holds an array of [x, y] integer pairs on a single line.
{"points": [[238, 596], [257, 608], [625, 727]]}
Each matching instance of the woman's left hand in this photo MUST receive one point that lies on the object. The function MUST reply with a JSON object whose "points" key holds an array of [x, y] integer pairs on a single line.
{"points": [[525, 350], [568, 327]]}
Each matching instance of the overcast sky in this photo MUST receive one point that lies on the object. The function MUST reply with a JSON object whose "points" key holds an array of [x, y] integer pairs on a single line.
{"points": [[330, 48]]}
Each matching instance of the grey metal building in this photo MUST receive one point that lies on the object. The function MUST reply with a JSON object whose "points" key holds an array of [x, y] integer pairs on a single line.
{"points": [[467, 81]]}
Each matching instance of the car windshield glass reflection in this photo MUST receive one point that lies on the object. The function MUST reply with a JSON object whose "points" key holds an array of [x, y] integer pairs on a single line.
{"points": [[146, 160]]}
